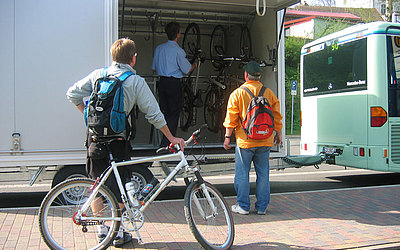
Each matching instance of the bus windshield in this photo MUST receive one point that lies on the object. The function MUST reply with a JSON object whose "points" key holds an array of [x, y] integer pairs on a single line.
{"points": [[335, 66]]}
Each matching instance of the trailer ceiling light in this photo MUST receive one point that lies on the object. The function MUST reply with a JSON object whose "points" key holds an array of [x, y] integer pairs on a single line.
{"points": [[378, 116]]}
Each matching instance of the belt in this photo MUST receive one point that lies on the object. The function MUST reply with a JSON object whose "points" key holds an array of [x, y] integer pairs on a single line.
{"points": [[169, 77]]}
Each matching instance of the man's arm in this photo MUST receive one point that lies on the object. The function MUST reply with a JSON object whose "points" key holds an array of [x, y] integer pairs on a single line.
{"points": [[278, 137], [194, 65], [174, 140], [227, 141], [80, 107]]}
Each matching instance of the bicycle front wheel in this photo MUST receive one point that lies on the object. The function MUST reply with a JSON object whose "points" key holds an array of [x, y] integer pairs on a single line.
{"points": [[191, 40], [218, 46], [212, 228], [61, 228]]}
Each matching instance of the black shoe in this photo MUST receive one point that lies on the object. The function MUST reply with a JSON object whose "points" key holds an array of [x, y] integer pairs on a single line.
{"points": [[120, 241]]}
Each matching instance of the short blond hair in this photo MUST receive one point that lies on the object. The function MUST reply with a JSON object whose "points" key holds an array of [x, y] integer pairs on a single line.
{"points": [[123, 50]]}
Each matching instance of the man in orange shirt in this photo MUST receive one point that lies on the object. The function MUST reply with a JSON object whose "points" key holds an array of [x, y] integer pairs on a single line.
{"points": [[251, 150]]}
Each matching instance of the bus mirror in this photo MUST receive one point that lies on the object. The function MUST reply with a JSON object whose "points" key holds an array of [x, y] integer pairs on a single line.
{"points": [[378, 116]]}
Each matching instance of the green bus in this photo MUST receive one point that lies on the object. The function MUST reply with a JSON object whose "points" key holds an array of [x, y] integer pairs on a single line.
{"points": [[350, 97]]}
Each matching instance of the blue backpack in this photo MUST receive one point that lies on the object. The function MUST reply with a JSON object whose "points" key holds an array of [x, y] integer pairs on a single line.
{"points": [[104, 113]]}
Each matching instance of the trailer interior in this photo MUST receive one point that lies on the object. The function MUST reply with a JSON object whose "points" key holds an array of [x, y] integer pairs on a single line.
{"points": [[144, 22]]}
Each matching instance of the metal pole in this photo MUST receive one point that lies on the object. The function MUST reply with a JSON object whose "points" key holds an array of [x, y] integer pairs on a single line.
{"points": [[291, 129]]}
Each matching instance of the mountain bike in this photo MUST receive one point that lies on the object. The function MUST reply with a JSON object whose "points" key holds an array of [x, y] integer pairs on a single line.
{"points": [[219, 47], [219, 88], [65, 225]]}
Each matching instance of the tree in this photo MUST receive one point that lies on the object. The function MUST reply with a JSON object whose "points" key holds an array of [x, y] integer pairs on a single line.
{"points": [[292, 59]]}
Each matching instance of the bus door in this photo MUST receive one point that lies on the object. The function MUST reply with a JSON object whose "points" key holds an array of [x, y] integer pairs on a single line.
{"points": [[393, 59]]}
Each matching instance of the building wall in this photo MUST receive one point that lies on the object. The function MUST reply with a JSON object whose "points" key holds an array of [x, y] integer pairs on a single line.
{"points": [[355, 3], [305, 30]]}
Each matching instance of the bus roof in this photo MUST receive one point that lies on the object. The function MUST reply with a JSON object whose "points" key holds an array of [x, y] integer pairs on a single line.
{"points": [[373, 27]]}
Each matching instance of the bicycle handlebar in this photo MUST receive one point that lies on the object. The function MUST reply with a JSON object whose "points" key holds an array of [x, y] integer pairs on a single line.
{"points": [[174, 148]]}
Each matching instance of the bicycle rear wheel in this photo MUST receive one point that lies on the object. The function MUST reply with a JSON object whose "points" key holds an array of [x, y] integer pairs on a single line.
{"points": [[191, 40], [59, 227], [212, 110], [213, 230], [218, 46]]}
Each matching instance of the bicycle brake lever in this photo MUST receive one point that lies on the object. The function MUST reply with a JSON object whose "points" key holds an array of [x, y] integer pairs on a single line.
{"points": [[161, 150]]}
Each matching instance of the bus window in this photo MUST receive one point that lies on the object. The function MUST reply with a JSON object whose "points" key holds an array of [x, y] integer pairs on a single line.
{"points": [[335, 66], [393, 45]]}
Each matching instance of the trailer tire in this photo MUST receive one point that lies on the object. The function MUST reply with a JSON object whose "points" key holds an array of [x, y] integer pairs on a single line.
{"points": [[140, 174], [69, 172]]}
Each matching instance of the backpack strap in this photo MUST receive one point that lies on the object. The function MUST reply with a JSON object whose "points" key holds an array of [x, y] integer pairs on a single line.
{"points": [[262, 91], [251, 94], [125, 75], [248, 91], [104, 73]]}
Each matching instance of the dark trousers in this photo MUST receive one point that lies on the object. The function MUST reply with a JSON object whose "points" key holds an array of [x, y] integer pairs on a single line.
{"points": [[170, 99], [98, 161]]}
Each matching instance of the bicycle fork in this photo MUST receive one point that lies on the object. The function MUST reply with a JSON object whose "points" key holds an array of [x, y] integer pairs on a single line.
{"points": [[208, 198]]}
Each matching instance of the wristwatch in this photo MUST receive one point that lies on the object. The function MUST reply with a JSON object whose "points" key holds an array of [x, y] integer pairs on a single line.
{"points": [[227, 136]]}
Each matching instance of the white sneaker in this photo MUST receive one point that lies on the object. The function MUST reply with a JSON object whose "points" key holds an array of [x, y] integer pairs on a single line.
{"points": [[262, 212], [237, 209]]}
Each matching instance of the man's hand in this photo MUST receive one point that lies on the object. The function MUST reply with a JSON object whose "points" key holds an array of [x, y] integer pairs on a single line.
{"points": [[174, 140], [227, 141], [178, 141], [228, 134], [278, 138]]}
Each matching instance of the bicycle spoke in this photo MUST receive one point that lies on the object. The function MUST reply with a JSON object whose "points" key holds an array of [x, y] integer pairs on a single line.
{"points": [[60, 225], [218, 46], [209, 217], [186, 114], [245, 44], [191, 40], [212, 110]]}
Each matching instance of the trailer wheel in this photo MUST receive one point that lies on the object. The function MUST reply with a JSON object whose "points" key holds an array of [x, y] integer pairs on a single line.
{"points": [[140, 175], [69, 172]]}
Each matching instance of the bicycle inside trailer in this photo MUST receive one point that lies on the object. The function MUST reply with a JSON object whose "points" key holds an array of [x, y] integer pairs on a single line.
{"points": [[222, 35]]}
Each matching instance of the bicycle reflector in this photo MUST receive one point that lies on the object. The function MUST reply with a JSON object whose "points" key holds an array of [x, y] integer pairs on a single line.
{"points": [[378, 116]]}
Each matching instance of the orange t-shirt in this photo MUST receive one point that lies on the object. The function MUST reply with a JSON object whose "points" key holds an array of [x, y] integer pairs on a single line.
{"points": [[237, 107]]}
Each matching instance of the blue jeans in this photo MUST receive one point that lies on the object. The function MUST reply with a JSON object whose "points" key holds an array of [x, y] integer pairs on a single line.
{"points": [[260, 157]]}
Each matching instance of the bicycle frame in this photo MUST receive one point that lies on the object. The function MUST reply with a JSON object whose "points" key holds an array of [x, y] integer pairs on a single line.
{"points": [[114, 168]]}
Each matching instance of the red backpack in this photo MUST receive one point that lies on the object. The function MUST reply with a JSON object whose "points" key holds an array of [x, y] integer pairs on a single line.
{"points": [[258, 123]]}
